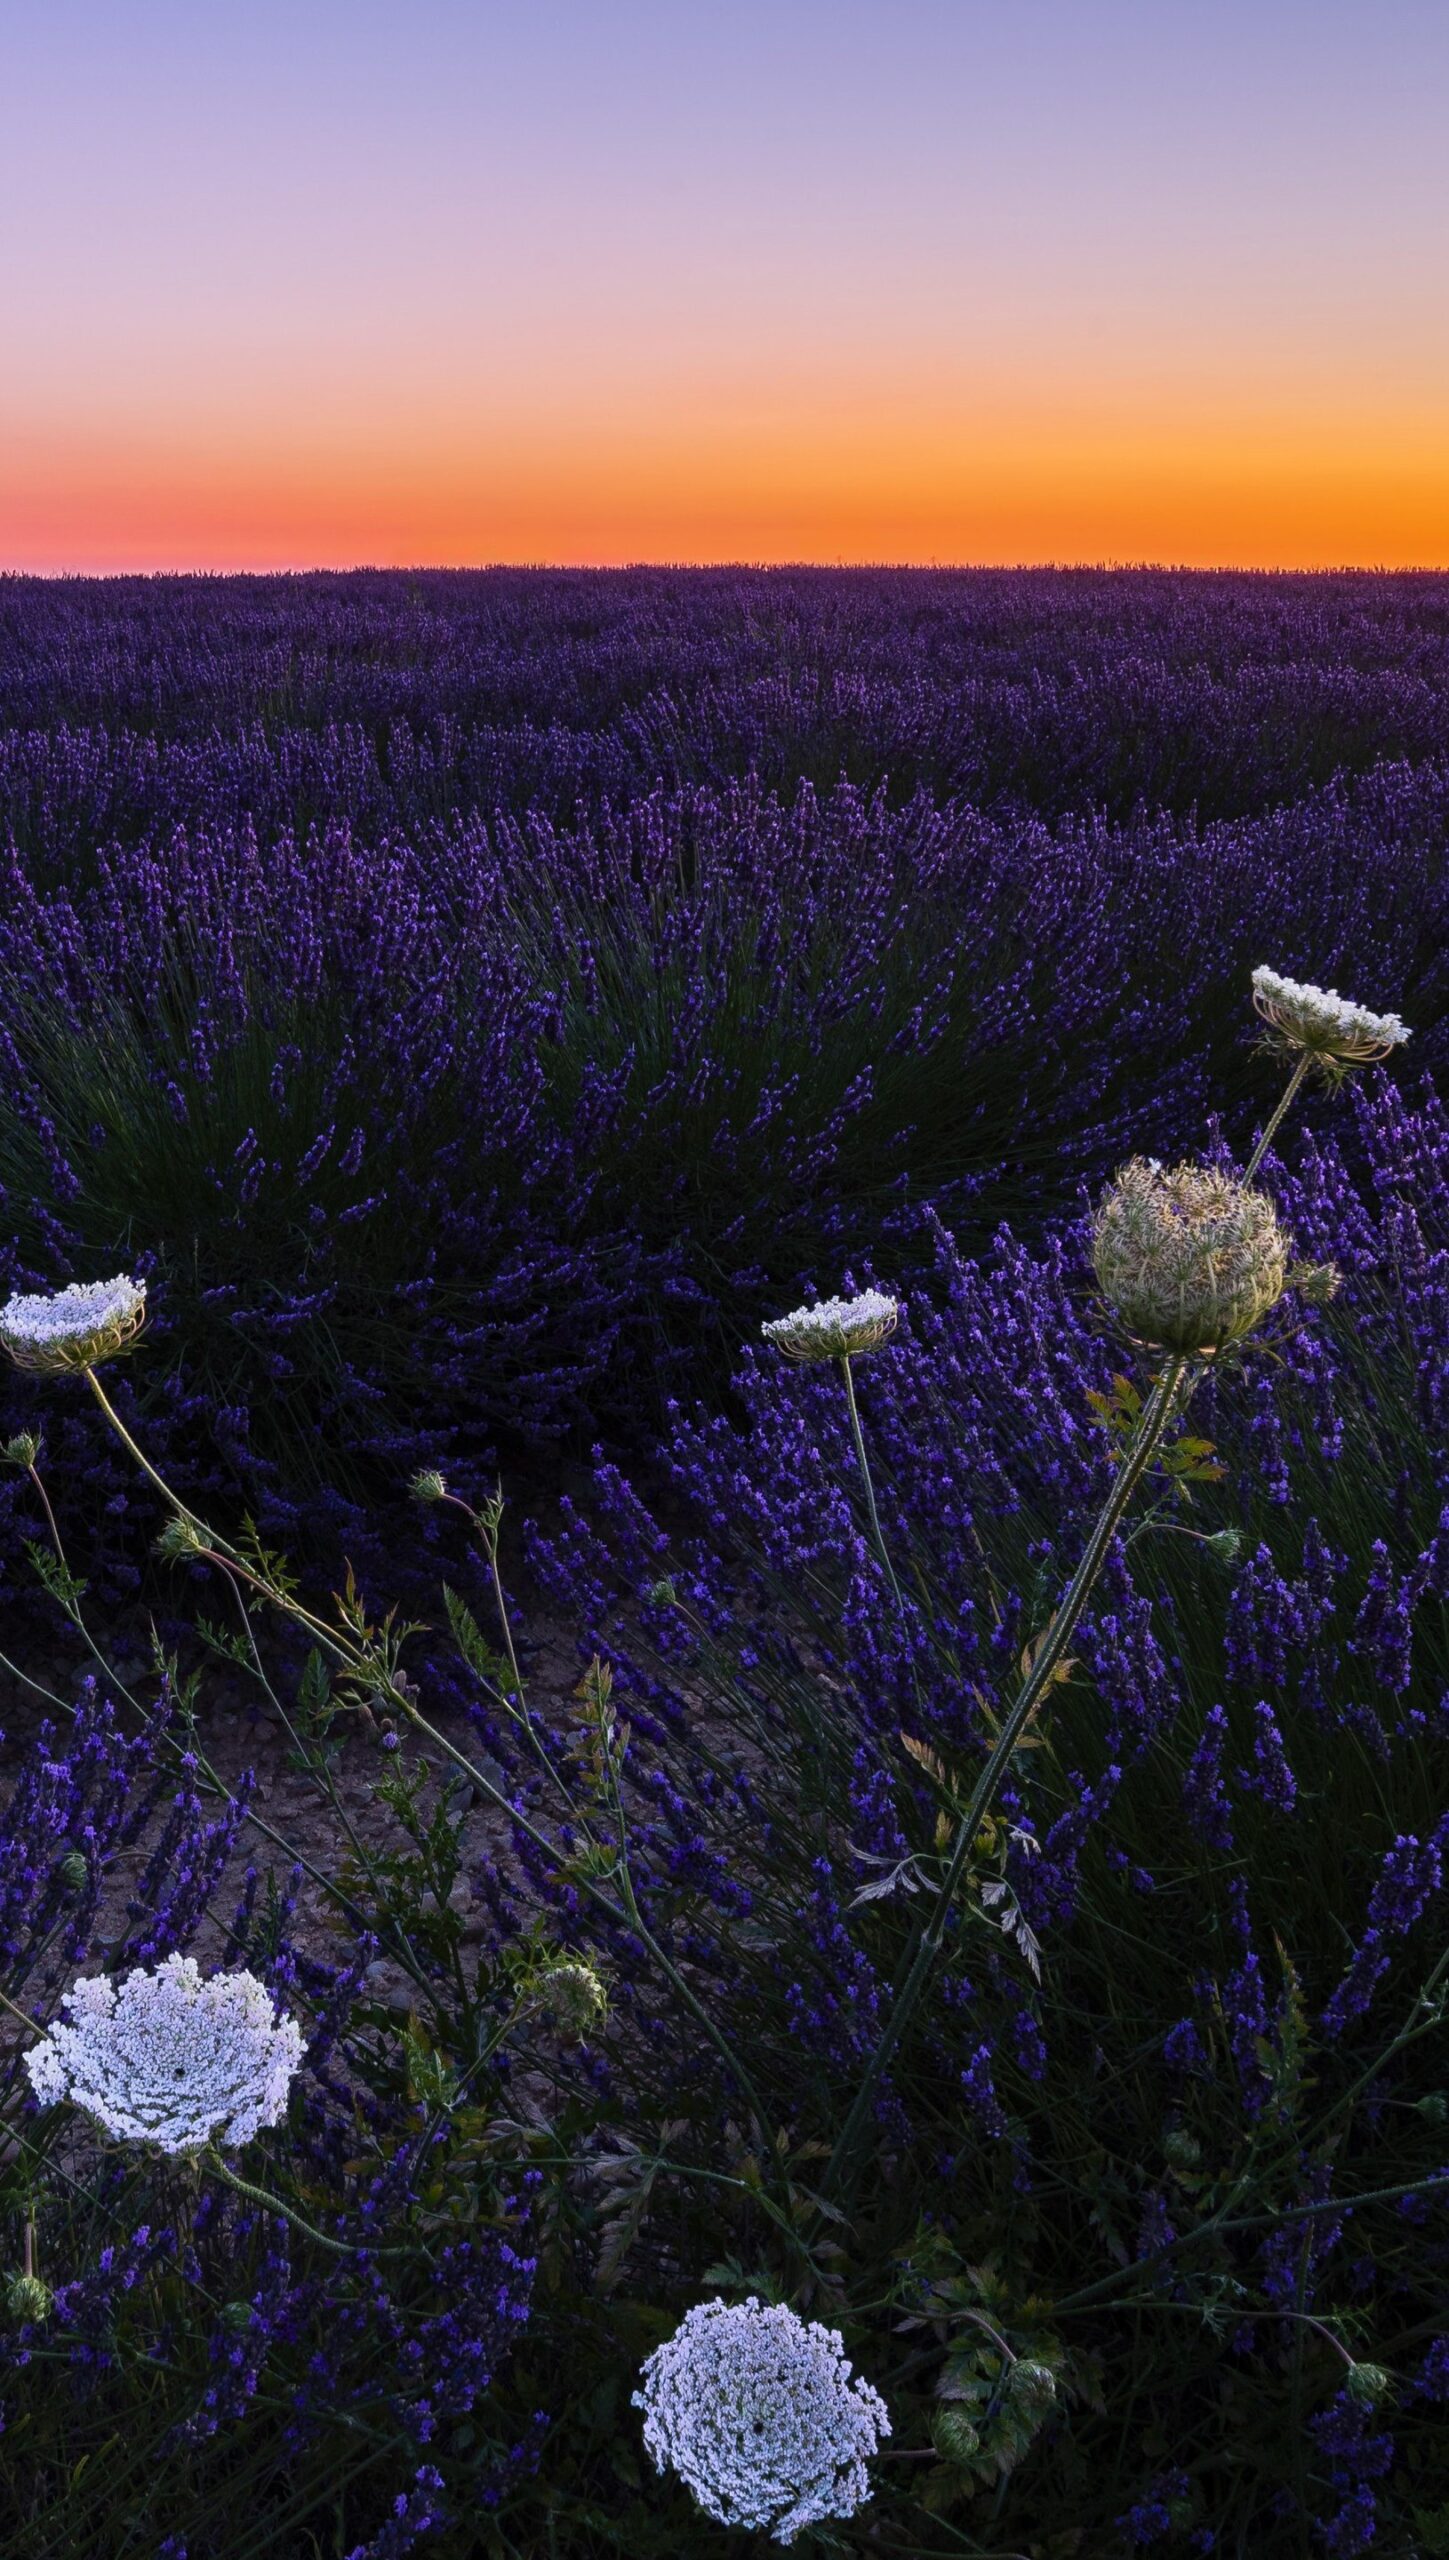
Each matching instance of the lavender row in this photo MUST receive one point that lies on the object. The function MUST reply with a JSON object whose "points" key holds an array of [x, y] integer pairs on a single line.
{"points": [[390, 700], [503, 1129]]}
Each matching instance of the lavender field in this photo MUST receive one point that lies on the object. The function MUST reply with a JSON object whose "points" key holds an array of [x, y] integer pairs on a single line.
{"points": [[468, 1008]]}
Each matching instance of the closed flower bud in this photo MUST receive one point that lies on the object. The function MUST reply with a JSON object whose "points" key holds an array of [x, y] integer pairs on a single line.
{"points": [[954, 2436], [427, 1486], [180, 1538], [74, 1328], [1317, 1283], [1189, 1260], [73, 1870], [1033, 2387], [22, 1451], [27, 2298], [1368, 2381]]}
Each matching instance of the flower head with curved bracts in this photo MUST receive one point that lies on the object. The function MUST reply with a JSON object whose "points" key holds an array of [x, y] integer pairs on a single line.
{"points": [[1188, 1260], [170, 2059], [73, 1328], [1323, 1023], [836, 1328], [759, 2413]]}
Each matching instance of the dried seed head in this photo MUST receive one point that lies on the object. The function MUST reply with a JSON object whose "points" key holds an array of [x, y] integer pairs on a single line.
{"points": [[836, 1329], [73, 1328], [1188, 1260], [1323, 1023]]}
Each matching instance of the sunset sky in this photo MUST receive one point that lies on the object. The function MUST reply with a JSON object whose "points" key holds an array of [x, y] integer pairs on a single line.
{"points": [[294, 282]]}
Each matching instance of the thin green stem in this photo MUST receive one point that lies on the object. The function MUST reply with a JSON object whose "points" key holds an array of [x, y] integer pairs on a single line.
{"points": [[1155, 1416], [139, 1454], [1222, 2221], [864, 1464], [624, 1907], [1271, 1127], [273, 2204]]}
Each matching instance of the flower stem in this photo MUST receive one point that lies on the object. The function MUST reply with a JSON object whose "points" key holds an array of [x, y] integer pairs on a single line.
{"points": [[139, 1454], [1285, 1103], [272, 2204], [864, 1465], [1155, 1417]]}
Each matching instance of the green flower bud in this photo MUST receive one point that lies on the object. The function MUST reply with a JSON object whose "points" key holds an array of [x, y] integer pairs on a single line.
{"points": [[1033, 2387], [22, 1451], [27, 2298], [1188, 1260], [73, 1870], [180, 1538], [1367, 2381], [1317, 1283], [954, 2437], [427, 1486]]}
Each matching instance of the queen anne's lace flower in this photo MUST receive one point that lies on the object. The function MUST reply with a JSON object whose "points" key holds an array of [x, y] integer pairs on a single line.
{"points": [[166, 2058], [835, 1328], [74, 1327], [1323, 1022], [760, 2415]]}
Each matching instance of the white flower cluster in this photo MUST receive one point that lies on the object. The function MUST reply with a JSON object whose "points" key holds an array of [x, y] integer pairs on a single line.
{"points": [[835, 1328], [1321, 1020], [74, 1327], [168, 2058], [759, 2414]]}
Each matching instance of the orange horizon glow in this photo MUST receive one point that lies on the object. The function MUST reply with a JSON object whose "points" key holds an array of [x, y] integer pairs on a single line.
{"points": [[328, 283]]}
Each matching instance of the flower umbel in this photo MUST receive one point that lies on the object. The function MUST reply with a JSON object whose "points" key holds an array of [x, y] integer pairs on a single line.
{"points": [[836, 1328], [167, 2058], [1190, 1260], [1323, 1023], [571, 1993], [73, 1328], [761, 2417]]}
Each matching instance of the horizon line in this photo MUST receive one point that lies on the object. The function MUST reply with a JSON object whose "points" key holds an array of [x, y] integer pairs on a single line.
{"points": [[723, 568]]}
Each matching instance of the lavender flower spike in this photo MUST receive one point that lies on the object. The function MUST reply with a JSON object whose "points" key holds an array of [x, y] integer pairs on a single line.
{"points": [[761, 2417], [835, 1329], [168, 2059], [1322, 1023], [73, 1328]]}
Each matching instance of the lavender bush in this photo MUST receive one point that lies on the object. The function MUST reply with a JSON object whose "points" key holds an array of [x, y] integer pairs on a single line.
{"points": [[477, 1001]]}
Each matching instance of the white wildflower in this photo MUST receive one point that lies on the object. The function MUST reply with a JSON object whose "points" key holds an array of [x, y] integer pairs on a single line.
{"points": [[1326, 1024], [761, 2417], [835, 1328], [167, 2058], [73, 1328]]}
